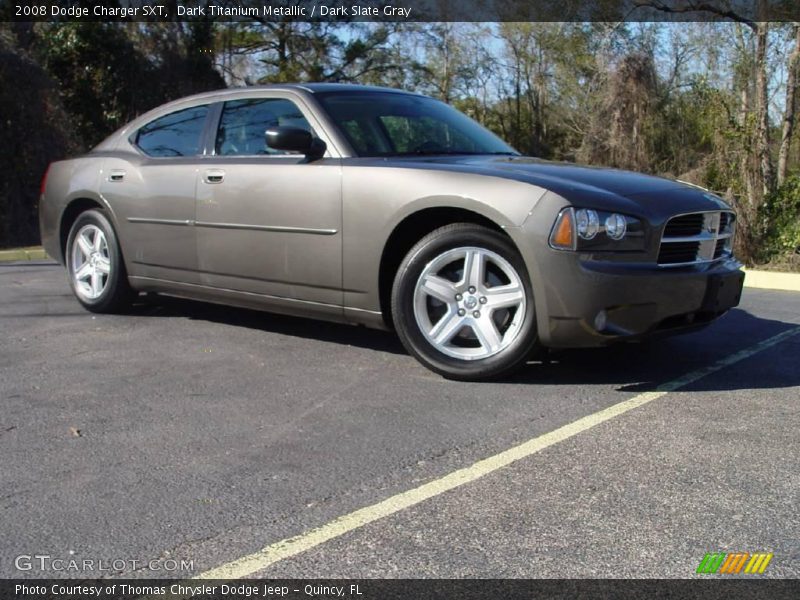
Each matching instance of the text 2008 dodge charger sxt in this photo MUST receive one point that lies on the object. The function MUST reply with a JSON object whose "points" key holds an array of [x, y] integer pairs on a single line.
{"points": [[388, 209]]}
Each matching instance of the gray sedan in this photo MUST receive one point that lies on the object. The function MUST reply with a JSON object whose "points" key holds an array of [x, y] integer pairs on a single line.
{"points": [[387, 209]]}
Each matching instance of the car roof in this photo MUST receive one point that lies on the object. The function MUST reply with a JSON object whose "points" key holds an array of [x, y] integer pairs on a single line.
{"points": [[345, 87], [308, 88]]}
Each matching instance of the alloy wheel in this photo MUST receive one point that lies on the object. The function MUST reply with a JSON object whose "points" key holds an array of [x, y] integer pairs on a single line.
{"points": [[469, 303], [91, 264]]}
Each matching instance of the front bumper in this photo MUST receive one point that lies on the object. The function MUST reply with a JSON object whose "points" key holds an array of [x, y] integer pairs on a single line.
{"points": [[594, 303]]}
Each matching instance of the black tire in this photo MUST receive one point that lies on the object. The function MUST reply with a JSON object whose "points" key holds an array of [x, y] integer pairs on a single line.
{"points": [[438, 246], [116, 294]]}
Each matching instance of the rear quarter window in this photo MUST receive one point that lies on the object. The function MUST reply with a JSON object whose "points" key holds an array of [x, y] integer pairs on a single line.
{"points": [[176, 134]]}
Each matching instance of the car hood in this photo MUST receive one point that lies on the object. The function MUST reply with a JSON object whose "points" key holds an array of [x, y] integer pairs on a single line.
{"points": [[598, 186]]}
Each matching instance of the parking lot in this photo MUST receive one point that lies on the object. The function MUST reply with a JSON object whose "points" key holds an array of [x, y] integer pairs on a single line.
{"points": [[207, 434]]}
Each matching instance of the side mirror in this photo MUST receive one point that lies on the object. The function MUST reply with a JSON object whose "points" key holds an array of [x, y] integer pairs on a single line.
{"points": [[295, 139]]}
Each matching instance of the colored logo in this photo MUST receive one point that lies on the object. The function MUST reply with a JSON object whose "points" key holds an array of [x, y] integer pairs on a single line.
{"points": [[733, 563]]}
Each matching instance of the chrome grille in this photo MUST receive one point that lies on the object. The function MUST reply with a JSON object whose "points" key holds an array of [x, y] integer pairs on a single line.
{"points": [[678, 253], [696, 238], [719, 250], [685, 225]]}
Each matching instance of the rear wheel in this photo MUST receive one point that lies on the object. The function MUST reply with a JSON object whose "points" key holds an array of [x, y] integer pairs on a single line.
{"points": [[462, 303], [95, 266]]}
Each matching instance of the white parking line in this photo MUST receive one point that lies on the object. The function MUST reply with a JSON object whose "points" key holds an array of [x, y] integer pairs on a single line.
{"points": [[269, 555]]}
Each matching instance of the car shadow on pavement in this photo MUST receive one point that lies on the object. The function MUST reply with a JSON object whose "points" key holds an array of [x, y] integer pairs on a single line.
{"points": [[632, 367], [339, 333], [644, 366]]}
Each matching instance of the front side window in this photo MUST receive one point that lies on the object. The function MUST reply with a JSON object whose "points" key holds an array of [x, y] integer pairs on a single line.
{"points": [[244, 123], [176, 134]]}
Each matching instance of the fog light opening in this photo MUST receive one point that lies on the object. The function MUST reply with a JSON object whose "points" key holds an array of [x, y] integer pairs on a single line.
{"points": [[601, 320]]}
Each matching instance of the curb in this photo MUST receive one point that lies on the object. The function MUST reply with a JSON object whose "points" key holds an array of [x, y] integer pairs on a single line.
{"points": [[772, 280], [34, 253], [766, 280]]}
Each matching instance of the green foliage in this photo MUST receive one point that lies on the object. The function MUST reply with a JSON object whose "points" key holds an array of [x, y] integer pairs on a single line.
{"points": [[101, 77], [105, 78], [293, 51], [34, 130], [677, 101], [67, 86], [679, 131], [780, 215]]}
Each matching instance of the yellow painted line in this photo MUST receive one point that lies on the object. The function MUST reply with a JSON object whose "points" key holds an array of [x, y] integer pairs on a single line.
{"points": [[33, 253], [772, 280], [269, 555]]}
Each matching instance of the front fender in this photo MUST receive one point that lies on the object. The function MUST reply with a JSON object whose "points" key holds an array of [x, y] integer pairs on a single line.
{"points": [[376, 200]]}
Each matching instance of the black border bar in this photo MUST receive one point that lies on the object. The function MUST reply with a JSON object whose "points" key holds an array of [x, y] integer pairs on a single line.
{"points": [[744, 11], [711, 588]]}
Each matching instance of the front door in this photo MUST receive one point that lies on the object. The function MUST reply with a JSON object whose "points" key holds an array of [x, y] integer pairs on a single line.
{"points": [[268, 222]]}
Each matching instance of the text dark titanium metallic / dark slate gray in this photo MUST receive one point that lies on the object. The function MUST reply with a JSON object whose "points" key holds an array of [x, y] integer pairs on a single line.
{"points": [[387, 209]]}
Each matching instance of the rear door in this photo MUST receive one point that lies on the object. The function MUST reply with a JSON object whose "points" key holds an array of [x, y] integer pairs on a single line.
{"points": [[153, 193]]}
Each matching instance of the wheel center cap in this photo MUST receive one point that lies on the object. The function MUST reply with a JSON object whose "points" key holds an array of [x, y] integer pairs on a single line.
{"points": [[470, 302]]}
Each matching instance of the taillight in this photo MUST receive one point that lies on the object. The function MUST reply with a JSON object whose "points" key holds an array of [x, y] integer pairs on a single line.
{"points": [[44, 181]]}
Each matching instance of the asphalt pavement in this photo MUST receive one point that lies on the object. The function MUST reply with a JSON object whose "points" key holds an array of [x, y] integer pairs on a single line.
{"points": [[201, 433]]}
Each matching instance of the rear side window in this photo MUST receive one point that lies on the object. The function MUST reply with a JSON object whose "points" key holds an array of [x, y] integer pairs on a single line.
{"points": [[176, 134], [244, 122]]}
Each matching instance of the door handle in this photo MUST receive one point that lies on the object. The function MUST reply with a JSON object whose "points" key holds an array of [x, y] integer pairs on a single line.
{"points": [[214, 176], [116, 175]]}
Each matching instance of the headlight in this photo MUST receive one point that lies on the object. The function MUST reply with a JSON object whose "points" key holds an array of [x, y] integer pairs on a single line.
{"points": [[586, 229], [588, 223], [616, 226]]}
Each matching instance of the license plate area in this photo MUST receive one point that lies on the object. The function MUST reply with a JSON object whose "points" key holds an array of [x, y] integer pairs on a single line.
{"points": [[723, 292]]}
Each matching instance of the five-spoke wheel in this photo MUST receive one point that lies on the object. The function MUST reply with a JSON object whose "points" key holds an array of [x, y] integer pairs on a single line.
{"points": [[469, 303], [91, 265], [462, 303], [94, 264]]}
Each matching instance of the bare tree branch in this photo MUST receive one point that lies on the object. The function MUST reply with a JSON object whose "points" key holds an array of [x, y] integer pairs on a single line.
{"points": [[693, 7]]}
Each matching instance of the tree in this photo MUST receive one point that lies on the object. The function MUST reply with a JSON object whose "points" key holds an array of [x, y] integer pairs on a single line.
{"points": [[35, 130], [621, 127], [107, 73], [792, 68], [293, 51]]}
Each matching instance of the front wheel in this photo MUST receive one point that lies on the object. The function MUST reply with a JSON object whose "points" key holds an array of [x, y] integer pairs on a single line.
{"points": [[95, 266], [462, 303]]}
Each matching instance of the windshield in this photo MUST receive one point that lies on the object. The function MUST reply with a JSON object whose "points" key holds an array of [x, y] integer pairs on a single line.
{"points": [[388, 124]]}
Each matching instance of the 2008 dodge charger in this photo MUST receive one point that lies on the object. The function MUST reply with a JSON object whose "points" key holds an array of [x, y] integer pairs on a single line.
{"points": [[388, 209]]}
